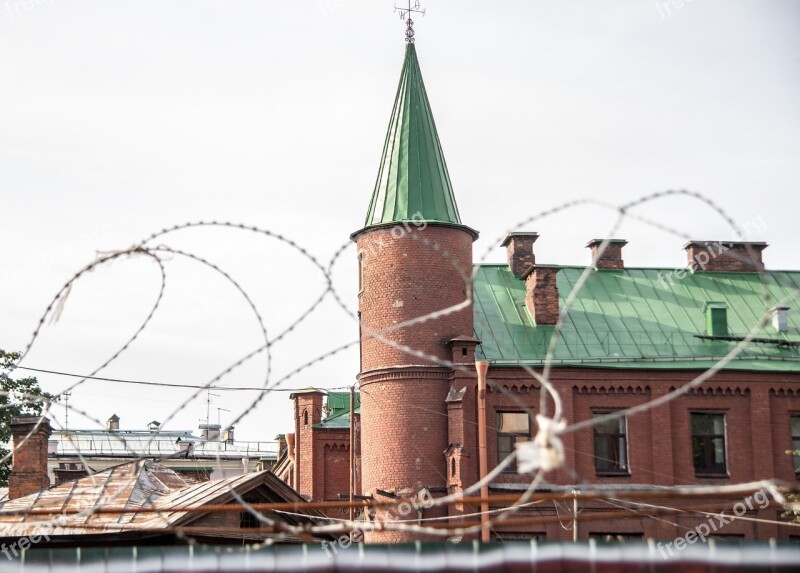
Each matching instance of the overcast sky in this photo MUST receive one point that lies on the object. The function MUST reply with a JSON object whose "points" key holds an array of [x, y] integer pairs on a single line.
{"points": [[120, 118]]}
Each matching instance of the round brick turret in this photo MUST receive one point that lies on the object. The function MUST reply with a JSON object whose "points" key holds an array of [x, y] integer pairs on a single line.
{"points": [[409, 271]]}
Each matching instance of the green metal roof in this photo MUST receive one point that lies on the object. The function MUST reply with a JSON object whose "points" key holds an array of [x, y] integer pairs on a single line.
{"points": [[339, 410], [413, 182], [636, 318]]}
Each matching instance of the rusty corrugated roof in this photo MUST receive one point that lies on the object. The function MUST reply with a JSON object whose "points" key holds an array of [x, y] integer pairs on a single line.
{"points": [[128, 486]]}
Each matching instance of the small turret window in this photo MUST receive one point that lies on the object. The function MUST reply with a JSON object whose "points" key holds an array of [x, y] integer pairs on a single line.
{"points": [[360, 273], [305, 418]]}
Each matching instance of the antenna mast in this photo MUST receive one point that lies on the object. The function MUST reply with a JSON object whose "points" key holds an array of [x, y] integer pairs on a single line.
{"points": [[66, 395]]}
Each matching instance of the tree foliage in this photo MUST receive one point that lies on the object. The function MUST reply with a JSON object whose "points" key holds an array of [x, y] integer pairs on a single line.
{"points": [[18, 397]]}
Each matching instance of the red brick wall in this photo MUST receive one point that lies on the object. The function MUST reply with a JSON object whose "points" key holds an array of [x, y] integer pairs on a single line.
{"points": [[29, 460], [307, 407], [400, 277], [757, 409], [403, 413]]}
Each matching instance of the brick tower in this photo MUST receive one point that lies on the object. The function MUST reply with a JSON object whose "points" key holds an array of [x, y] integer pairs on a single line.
{"points": [[415, 258]]}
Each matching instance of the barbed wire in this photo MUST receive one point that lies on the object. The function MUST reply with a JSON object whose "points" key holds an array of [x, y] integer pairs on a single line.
{"points": [[162, 254]]}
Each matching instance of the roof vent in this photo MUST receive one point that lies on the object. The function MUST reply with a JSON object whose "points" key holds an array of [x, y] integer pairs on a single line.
{"points": [[780, 318], [112, 424], [716, 319]]}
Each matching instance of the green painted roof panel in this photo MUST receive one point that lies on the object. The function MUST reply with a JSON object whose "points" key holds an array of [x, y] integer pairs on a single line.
{"points": [[338, 416], [636, 318], [413, 182]]}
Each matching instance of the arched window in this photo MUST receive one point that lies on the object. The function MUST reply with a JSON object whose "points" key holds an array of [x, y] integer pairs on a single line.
{"points": [[305, 418], [453, 467]]}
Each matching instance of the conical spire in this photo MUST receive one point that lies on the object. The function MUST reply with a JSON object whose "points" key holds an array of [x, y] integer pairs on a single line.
{"points": [[413, 182]]}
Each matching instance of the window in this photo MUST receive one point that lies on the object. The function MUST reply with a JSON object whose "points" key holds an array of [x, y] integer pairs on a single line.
{"points": [[503, 536], [452, 467], [708, 444], [248, 521], [611, 446], [512, 427], [360, 273], [616, 537], [305, 418], [795, 423]]}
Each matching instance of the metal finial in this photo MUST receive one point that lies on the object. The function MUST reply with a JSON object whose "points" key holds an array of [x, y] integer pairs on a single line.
{"points": [[405, 14]]}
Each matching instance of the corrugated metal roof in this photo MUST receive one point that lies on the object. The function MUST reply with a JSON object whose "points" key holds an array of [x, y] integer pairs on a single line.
{"points": [[413, 180], [141, 444], [128, 486], [636, 317]]}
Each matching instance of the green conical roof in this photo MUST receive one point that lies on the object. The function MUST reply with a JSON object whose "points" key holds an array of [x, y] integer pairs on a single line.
{"points": [[413, 182]]}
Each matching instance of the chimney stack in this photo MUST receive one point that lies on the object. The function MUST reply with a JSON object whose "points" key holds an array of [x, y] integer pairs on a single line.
{"points": [[519, 248], [541, 293], [281, 439], [210, 432], [227, 435], [725, 256], [31, 435], [611, 257]]}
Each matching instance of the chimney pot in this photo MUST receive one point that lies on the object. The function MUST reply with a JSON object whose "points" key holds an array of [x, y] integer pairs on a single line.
{"points": [[725, 256], [519, 249], [611, 257], [31, 435]]}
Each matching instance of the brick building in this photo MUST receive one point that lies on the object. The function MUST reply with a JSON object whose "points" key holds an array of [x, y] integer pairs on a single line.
{"points": [[630, 336], [315, 458]]}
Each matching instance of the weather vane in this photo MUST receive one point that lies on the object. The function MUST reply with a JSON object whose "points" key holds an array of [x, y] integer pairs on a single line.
{"points": [[405, 14]]}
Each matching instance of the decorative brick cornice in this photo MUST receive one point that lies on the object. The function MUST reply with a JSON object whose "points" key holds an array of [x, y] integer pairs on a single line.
{"points": [[717, 391], [784, 392], [410, 373], [337, 447], [522, 387], [611, 389]]}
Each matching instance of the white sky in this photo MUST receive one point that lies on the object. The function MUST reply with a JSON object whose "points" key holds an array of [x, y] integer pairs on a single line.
{"points": [[120, 118]]}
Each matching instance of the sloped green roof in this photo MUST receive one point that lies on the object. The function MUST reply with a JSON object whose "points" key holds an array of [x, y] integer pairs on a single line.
{"points": [[413, 182], [635, 318], [339, 414]]}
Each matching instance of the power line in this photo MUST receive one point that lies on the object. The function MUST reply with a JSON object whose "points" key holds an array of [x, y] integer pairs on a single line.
{"points": [[173, 385]]}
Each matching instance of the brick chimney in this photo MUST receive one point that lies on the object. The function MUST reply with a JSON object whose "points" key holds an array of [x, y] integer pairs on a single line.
{"points": [[541, 293], [281, 439], [307, 413], [29, 462], [725, 256], [611, 257], [519, 248]]}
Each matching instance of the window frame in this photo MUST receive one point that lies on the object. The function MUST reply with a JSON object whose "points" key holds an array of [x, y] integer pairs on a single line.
{"points": [[795, 439], [248, 521], [512, 467], [709, 471], [610, 438], [360, 273]]}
